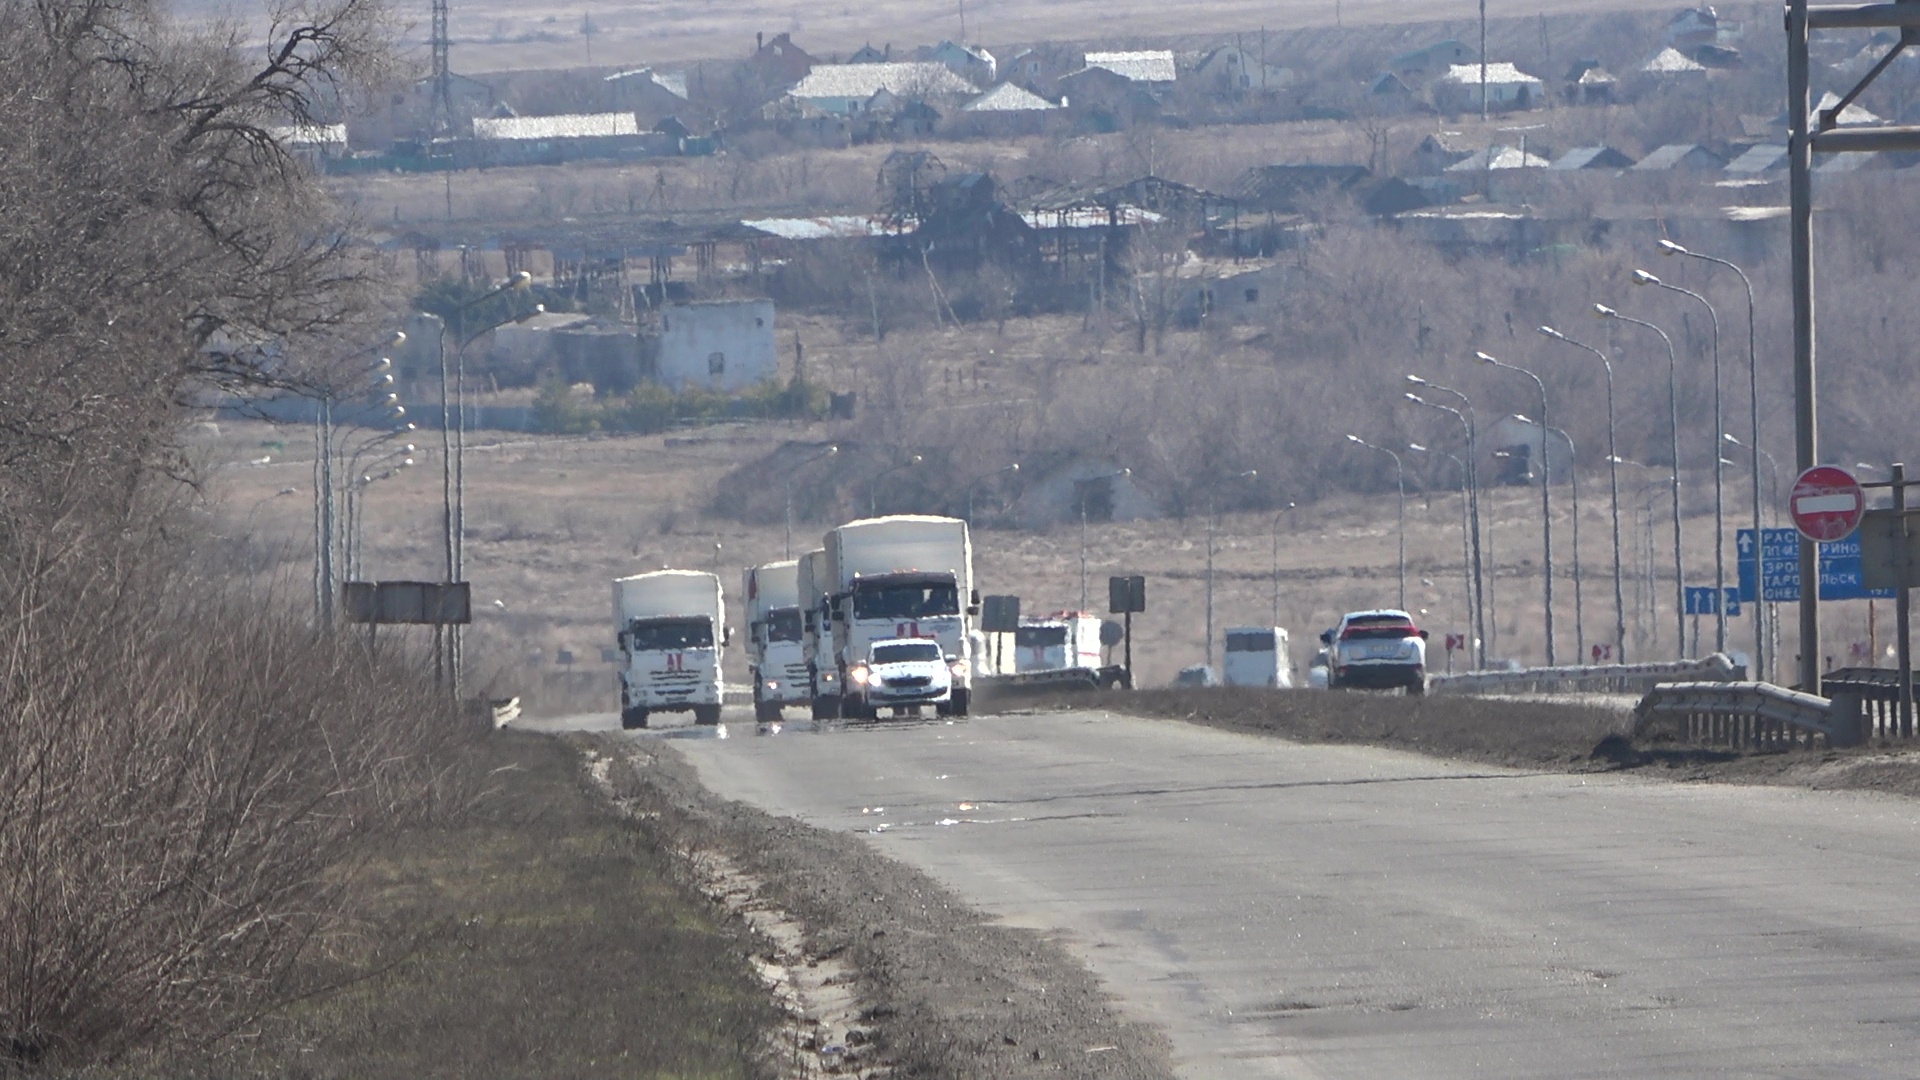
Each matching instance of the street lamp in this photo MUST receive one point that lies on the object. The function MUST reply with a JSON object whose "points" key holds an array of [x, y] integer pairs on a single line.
{"points": [[1482, 593], [873, 484], [982, 478], [326, 528], [1546, 490], [1613, 486], [1760, 605], [1213, 517], [1083, 489], [1760, 631], [1573, 482], [1466, 550], [1673, 407], [1400, 479], [1641, 277], [1287, 512], [357, 508], [827, 453], [1773, 475]]}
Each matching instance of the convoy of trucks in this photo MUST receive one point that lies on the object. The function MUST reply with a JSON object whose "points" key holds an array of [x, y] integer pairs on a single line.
{"points": [[671, 628], [883, 616]]}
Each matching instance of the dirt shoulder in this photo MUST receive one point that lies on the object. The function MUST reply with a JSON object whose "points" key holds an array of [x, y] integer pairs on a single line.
{"points": [[944, 991], [1521, 734]]}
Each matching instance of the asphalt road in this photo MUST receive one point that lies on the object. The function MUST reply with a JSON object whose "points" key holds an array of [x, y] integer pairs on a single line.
{"points": [[1314, 911]]}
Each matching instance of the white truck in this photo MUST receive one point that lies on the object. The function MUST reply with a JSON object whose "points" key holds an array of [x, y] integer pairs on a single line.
{"points": [[816, 640], [776, 656], [672, 626], [905, 576], [1066, 639], [1258, 656]]}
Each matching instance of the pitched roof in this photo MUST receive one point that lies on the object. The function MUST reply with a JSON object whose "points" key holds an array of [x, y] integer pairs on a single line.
{"points": [[1008, 98], [1496, 73], [570, 126], [1758, 159], [918, 77], [1592, 157], [673, 82], [1498, 157], [1152, 65], [1671, 61], [1672, 154]]}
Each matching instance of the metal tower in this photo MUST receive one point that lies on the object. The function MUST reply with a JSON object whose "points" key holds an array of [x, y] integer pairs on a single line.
{"points": [[441, 121]]}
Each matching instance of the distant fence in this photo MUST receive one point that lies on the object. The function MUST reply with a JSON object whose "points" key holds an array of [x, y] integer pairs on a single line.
{"points": [[1588, 679]]}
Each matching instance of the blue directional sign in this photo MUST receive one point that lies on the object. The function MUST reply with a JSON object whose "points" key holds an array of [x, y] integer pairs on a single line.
{"points": [[1770, 569], [1699, 600]]}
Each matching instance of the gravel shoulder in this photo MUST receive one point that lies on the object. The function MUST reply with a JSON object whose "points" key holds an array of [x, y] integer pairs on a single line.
{"points": [[1556, 735], [942, 989]]}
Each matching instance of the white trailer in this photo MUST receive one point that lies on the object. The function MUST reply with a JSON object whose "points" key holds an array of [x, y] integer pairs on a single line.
{"points": [[905, 576], [1258, 656], [776, 655], [1064, 640], [816, 639], [671, 626]]}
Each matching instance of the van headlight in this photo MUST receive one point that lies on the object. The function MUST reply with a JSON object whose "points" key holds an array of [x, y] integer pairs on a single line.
{"points": [[959, 669], [859, 674], [773, 684]]}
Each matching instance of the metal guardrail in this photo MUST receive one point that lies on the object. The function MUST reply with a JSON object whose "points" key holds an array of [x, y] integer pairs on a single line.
{"points": [[1748, 715], [1875, 692], [1588, 679]]}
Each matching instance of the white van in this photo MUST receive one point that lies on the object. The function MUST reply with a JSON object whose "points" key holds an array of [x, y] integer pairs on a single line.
{"points": [[1258, 656]]}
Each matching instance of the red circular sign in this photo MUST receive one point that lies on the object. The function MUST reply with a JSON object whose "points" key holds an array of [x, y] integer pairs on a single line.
{"points": [[1826, 504]]}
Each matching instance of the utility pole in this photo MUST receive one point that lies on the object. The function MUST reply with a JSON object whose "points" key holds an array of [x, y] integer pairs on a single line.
{"points": [[441, 118], [1483, 59]]}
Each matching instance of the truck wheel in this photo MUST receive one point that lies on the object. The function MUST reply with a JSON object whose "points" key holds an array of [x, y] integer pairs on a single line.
{"points": [[961, 699], [766, 712], [826, 708], [706, 714], [633, 718]]}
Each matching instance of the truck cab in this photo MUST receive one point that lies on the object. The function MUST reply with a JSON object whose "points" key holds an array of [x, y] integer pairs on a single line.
{"points": [[776, 650], [1064, 640], [1258, 656], [670, 629]]}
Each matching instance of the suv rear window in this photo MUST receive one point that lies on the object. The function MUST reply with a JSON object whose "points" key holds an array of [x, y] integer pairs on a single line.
{"points": [[1377, 630]]}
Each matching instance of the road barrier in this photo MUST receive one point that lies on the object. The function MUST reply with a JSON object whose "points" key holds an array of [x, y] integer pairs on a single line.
{"points": [[1875, 692], [1588, 679], [1749, 715]]}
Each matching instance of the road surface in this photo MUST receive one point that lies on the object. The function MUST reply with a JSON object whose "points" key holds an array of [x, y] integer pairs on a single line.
{"points": [[1316, 911]]}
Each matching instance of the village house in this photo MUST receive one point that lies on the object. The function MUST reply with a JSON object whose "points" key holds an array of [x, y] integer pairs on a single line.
{"points": [[1152, 68], [1230, 71], [551, 140], [1680, 157], [650, 95], [1508, 89], [1587, 83], [1006, 109], [1421, 66], [849, 89], [719, 345], [777, 63], [1102, 99], [315, 143], [1591, 157], [970, 62]]}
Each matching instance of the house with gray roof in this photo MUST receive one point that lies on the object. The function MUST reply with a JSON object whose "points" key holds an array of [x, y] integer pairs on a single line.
{"points": [[1153, 67], [1508, 89], [847, 89], [1591, 157], [1680, 157], [1764, 158]]}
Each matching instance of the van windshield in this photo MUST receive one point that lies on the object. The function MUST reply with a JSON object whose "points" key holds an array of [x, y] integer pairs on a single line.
{"points": [[783, 624], [649, 635], [1260, 641], [906, 652]]}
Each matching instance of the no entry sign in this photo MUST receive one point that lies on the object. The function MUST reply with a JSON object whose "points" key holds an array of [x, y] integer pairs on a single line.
{"points": [[1826, 504]]}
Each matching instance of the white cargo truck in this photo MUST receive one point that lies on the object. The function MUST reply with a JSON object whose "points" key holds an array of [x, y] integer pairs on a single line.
{"points": [[1258, 656], [1066, 639], [776, 656], [905, 576], [816, 639], [672, 626]]}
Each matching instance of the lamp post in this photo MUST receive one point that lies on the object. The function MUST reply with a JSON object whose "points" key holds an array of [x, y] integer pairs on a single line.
{"points": [[1613, 491], [1673, 407], [1084, 487], [357, 508], [873, 484], [1641, 277], [1546, 491], [1213, 518], [1482, 595], [791, 473], [975, 483], [1288, 513], [1760, 605], [1466, 550], [1400, 479], [1573, 482], [1765, 631], [326, 526]]}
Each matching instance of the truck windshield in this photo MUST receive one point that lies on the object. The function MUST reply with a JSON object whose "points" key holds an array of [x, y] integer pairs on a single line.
{"points": [[906, 652], [783, 624], [648, 635], [1039, 637], [915, 600], [1250, 641]]}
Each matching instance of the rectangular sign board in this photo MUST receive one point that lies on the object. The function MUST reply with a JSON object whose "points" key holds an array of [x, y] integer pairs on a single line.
{"points": [[403, 603], [1699, 600], [1770, 568], [1880, 544], [1126, 594], [999, 614]]}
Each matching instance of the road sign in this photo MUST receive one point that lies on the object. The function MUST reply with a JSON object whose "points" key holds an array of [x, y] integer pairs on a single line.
{"points": [[1602, 654], [1826, 503], [1126, 595], [1456, 641], [1770, 568], [1699, 600], [1882, 536]]}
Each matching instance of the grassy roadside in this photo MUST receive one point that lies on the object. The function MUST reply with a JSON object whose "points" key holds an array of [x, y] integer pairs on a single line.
{"points": [[543, 935]]}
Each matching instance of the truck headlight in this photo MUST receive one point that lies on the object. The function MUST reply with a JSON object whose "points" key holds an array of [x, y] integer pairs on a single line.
{"points": [[858, 674], [773, 684], [959, 669]]}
